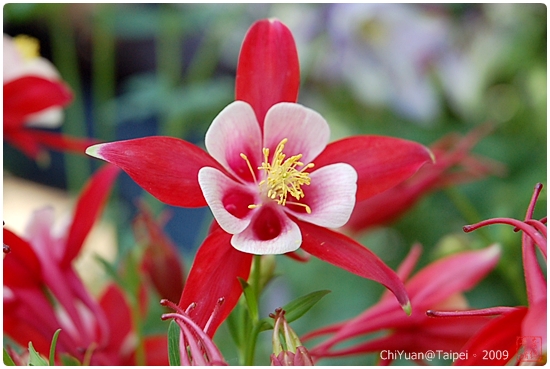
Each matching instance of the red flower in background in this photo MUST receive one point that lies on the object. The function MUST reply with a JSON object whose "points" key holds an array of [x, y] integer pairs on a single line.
{"points": [[512, 323], [454, 164], [439, 284], [181, 174], [42, 291], [34, 96], [161, 260]]}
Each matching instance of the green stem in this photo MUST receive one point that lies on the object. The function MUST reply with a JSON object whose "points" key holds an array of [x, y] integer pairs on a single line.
{"points": [[472, 216], [169, 64], [103, 68], [252, 336], [255, 281], [251, 347], [140, 348], [65, 59]]}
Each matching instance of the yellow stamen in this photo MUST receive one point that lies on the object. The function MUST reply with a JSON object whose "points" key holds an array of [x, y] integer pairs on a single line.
{"points": [[283, 178], [249, 166], [28, 46]]}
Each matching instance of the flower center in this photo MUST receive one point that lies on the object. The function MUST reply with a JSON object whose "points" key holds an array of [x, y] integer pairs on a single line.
{"points": [[283, 177], [28, 46]]}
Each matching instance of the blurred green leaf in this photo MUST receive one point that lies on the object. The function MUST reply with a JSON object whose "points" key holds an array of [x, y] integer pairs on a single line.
{"points": [[296, 308], [68, 360], [52, 347], [34, 357], [250, 298], [173, 344], [8, 361]]}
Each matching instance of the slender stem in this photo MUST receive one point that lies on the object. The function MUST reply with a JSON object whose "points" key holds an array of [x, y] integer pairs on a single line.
{"points": [[66, 60], [466, 209], [471, 215], [103, 68], [169, 64], [251, 347], [255, 283], [256, 279]]}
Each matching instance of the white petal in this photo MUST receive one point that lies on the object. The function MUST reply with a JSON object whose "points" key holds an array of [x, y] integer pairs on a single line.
{"points": [[289, 239], [234, 131], [331, 196], [215, 187], [307, 131]]}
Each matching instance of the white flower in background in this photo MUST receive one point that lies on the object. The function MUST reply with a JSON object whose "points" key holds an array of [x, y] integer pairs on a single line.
{"points": [[385, 52], [22, 58]]}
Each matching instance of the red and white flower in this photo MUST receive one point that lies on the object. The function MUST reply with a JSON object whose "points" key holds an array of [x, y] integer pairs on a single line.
{"points": [[272, 178], [259, 180]]}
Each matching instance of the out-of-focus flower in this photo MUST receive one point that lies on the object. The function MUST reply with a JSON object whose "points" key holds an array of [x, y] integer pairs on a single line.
{"points": [[386, 53], [502, 333], [196, 347], [161, 260], [34, 96], [454, 164], [42, 291], [438, 284], [270, 203], [292, 353]]}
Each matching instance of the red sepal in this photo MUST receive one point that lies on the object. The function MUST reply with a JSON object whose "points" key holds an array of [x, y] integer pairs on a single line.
{"points": [[268, 71], [381, 162], [500, 335], [343, 252], [31, 94], [166, 167], [213, 276], [21, 265], [90, 204]]}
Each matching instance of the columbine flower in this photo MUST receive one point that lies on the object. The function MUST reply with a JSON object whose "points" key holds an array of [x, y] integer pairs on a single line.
{"points": [[259, 207], [293, 353], [454, 164], [438, 284], [42, 291], [501, 333], [34, 96], [259, 180]]}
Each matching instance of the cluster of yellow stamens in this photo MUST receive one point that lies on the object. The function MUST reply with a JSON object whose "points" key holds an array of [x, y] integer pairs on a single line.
{"points": [[28, 46], [283, 177]]}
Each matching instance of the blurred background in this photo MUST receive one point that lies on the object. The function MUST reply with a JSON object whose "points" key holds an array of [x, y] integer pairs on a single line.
{"points": [[417, 72]]}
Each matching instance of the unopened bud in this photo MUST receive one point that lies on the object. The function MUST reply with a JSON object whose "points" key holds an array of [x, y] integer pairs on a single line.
{"points": [[289, 351]]}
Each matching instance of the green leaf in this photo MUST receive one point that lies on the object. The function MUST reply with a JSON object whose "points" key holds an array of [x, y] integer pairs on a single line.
{"points": [[173, 344], [296, 308], [8, 361], [68, 360], [250, 298], [34, 357], [52, 347]]}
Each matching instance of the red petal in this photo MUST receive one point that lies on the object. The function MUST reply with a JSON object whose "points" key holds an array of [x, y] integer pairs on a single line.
{"points": [[166, 167], [268, 71], [445, 277], [380, 162], [345, 253], [30, 94], [118, 315], [21, 266], [22, 141], [213, 276], [500, 335], [161, 261], [90, 204]]}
